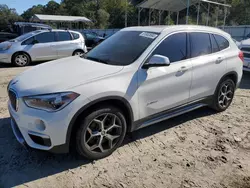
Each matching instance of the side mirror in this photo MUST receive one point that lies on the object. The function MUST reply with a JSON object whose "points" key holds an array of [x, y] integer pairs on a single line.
{"points": [[157, 61], [34, 42]]}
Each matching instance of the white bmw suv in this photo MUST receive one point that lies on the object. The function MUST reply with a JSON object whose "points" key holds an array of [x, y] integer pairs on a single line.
{"points": [[137, 77]]}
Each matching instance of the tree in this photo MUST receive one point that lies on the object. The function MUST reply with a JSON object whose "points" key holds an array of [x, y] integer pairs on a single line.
{"points": [[52, 7], [38, 9], [8, 16], [103, 18]]}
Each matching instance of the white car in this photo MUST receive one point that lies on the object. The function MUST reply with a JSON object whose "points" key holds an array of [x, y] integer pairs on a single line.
{"points": [[244, 46], [137, 77], [42, 45]]}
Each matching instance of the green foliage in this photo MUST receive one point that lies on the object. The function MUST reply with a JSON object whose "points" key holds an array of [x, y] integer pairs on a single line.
{"points": [[111, 13], [8, 16]]}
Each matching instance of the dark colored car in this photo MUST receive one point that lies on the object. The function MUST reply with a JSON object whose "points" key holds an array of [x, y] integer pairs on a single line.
{"points": [[4, 36], [92, 39], [20, 28]]}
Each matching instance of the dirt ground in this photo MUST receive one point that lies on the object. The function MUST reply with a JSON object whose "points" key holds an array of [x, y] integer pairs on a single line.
{"points": [[198, 149]]}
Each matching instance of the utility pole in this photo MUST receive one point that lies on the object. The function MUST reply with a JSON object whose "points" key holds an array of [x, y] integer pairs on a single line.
{"points": [[126, 13]]}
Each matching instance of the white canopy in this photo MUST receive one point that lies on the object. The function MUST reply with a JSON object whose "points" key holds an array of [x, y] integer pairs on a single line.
{"points": [[58, 18], [177, 6]]}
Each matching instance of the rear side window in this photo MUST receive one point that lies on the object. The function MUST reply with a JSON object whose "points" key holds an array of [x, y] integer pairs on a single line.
{"points": [[174, 47], [63, 36], [45, 37], [215, 47], [200, 44], [222, 42], [75, 35]]}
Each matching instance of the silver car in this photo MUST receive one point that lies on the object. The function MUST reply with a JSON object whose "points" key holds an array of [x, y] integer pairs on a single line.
{"points": [[42, 45]]}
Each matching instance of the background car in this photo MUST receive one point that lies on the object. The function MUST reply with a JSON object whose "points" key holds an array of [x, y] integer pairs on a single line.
{"points": [[42, 45], [92, 39], [4, 36], [244, 46]]}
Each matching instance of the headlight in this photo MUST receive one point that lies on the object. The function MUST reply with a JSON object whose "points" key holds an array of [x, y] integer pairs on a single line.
{"points": [[50, 102], [5, 47]]}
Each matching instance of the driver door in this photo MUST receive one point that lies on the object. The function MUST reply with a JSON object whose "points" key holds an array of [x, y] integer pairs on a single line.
{"points": [[166, 87], [43, 47]]}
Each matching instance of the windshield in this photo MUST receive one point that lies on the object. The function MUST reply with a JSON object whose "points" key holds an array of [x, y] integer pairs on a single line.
{"points": [[123, 48], [26, 36]]}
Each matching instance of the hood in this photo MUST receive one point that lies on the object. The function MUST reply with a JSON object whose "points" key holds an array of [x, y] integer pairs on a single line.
{"points": [[4, 45], [60, 75]]}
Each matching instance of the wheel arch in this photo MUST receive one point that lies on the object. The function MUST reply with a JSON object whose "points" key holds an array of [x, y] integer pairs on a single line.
{"points": [[77, 50], [117, 101], [18, 52], [233, 75]]}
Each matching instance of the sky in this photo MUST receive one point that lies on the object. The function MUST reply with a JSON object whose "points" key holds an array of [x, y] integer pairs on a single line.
{"points": [[22, 5]]}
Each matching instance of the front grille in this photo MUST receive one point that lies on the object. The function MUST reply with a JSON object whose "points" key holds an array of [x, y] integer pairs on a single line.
{"points": [[246, 55], [246, 49], [13, 99]]}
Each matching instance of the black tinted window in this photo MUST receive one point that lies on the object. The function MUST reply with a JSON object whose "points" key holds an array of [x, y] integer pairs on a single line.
{"points": [[63, 36], [174, 47], [222, 42], [215, 47], [75, 35], [45, 37], [200, 44]]}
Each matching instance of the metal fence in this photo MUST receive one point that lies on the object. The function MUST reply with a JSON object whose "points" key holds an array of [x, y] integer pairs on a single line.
{"points": [[237, 32]]}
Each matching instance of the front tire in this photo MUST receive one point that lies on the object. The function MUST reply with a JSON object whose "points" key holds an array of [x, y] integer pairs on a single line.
{"points": [[224, 95], [21, 59], [101, 133]]}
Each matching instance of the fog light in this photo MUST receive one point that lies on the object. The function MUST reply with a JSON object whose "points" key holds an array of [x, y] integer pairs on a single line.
{"points": [[40, 125]]}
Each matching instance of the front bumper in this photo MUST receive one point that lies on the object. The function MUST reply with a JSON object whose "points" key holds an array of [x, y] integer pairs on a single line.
{"points": [[246, 66], [40, 129], [5, 57]]}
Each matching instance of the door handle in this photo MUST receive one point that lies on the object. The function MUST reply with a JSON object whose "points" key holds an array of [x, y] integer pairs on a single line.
{"points": [[219, 60], [183, 69]]}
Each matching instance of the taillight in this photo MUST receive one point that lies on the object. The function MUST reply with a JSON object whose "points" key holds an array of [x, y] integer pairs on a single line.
{"points": [[241, 56]]}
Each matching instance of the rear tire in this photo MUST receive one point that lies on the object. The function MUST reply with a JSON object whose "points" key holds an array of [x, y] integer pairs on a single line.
{"points": [[78, 53], [224, 95], [101, 132], [21, 59]]}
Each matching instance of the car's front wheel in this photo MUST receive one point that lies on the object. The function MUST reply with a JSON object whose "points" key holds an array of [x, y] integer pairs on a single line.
{"points": [[21, 59], [101, 132], [224, 95]]}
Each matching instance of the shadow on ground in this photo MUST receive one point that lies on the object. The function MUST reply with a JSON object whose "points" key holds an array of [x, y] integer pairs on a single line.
{"points": [[9, 65], [19, 166]]}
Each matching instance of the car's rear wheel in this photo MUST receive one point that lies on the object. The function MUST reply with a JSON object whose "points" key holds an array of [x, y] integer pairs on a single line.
{"points": [[101, 132], [224, 95], [21, 59], [78, 53]]}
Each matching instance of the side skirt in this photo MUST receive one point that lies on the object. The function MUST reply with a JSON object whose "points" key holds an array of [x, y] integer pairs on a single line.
{"points": [[156, 118]]}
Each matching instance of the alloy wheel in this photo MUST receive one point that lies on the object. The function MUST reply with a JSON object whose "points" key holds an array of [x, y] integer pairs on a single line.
{"points": [[103, 133], [226, 94]]}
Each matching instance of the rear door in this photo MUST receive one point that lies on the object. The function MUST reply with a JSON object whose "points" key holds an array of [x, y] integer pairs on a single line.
{"points": [[43, 48], [65, 45], [209, 63]]}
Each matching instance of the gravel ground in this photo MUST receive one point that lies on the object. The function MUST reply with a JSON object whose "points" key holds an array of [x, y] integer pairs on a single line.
{"points": [[198, 149]]}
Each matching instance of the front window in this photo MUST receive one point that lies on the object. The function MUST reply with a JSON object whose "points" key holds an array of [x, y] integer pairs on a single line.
{"points": [[26, 36], [123, 48]]}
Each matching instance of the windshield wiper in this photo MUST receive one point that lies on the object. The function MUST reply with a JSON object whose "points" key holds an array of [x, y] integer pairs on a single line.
{"points": [[97, 59]]}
